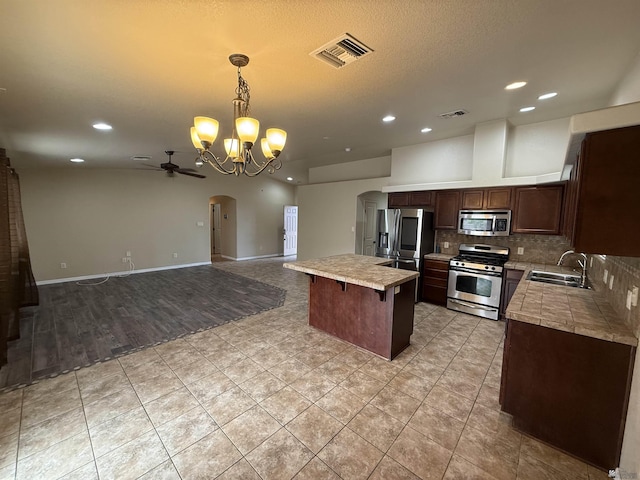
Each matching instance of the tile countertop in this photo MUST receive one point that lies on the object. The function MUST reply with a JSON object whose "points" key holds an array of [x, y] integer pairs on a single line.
{"points": [[438, 256], [575, 310], [360, 270]]}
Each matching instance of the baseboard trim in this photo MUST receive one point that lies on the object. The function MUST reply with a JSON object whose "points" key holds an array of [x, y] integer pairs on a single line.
{"points": [[117, 274], [240, 259]]}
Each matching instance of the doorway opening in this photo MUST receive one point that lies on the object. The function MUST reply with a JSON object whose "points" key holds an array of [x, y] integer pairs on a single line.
{"points": [[366, 216], [290, 230], [222, 228]]}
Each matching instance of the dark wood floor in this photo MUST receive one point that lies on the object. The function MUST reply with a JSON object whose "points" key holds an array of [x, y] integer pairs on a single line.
{"points": [[78, 325]]}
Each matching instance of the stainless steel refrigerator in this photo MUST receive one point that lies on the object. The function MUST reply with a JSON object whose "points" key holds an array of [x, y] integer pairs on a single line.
{"points": [[405, 235]]}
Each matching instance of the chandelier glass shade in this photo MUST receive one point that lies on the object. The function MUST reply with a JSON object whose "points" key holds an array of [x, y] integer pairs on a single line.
{"points": [[238, 147]]}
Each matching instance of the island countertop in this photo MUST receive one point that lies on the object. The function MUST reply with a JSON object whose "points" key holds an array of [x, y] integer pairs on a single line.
{"points": [[362, 270]]}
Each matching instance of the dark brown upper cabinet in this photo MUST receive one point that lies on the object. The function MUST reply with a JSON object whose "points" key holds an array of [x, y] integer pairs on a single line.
{"points": [[447, 205], [487, 198], [410, 199], [537, 209], [604, 191], [398, 199], [421, 199]]}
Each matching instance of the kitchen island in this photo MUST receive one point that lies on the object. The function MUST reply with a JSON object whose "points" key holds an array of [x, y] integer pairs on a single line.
{"points": [[358, 299]]}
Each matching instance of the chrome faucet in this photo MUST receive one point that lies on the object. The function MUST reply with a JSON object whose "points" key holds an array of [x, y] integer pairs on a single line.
{"points": [[582, 263]]}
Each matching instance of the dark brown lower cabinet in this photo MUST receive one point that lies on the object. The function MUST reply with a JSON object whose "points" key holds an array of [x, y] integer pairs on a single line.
{"points": [[435, 275], [568, 390], [510, 283], [381, 322]]}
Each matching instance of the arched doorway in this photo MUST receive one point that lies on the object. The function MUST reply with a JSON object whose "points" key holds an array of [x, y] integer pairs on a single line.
{"points": [[223, 228], [366, 213]]}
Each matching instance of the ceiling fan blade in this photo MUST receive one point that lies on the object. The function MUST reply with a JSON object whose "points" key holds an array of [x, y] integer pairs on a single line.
{"points": [[155, 167], [187, 172]]}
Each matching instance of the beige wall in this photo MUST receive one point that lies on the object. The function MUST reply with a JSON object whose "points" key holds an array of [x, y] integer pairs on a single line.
{"points": [[327, 216], [357, 170], [89, 218]]}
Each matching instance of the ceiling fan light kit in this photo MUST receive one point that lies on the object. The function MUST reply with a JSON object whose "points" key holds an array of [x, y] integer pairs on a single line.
{"points": [[240, 158]]}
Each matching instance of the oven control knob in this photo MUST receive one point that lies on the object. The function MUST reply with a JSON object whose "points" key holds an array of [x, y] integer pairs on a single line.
{"points": [[493, 268]]}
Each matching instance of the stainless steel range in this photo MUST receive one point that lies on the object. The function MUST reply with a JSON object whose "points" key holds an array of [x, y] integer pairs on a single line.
{"points": [[475, 279]]}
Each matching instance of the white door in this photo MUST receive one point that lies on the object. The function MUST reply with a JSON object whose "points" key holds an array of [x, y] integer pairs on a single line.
{"points": [[215, 226], [290, 230], [369, 237]]}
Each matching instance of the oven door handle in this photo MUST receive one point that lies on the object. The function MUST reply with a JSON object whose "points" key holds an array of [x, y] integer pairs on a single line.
{"points": [[476, 272], [470, 305]]}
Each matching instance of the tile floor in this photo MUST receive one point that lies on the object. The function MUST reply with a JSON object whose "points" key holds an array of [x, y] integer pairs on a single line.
{"points": [[269, 397]]}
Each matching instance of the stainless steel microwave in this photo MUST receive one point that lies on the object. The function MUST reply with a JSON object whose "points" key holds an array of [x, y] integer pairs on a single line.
{"points": [[484, 223]]}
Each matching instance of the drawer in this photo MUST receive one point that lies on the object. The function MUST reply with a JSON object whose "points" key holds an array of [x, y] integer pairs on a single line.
{"points": [[429, 272], [435, 282], [436, 265]]}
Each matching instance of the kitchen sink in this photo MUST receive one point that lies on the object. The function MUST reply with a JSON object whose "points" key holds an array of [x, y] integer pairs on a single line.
{"points": [[567, 280]]}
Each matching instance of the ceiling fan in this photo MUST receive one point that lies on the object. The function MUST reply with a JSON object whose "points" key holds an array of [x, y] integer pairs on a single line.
{"points": [[172, 168]]}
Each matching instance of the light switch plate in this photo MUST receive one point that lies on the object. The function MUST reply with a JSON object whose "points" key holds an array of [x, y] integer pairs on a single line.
{"points": [[520, 250], [629, 295], [605, 276], [446, 245], [610, 282], [634, 296]]}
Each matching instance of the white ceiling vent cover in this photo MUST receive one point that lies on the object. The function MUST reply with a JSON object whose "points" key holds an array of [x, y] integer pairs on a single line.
{"points": [[341, 51]]}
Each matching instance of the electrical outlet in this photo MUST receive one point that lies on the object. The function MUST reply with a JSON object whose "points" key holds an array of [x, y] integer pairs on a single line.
{"points": [[445, 244], [610, 282], [63, 265], [605, 276], [520, 250], [125, 259], [200, 224], [634, 296], [175, 255], [128, 253], [629, 296]]}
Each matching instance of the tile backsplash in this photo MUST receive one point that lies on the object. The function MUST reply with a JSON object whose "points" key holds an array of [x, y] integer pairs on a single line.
{"points": [[626, 275], [536, 248]]}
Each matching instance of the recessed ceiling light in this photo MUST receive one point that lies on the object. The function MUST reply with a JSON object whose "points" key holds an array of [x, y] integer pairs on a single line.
{"points": [[527, 109], [102, 126], [388, 118], [76, 160], [325, 138], [426, 130], [290, 179], [514, 85], [547, 95], [348, 149]]}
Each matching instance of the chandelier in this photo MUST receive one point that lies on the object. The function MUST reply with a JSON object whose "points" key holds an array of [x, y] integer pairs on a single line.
{"points": [[239, 159]]}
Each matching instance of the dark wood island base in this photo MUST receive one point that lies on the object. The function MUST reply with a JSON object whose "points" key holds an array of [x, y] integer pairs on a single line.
{"points": [[378, 321], [360, 300]]}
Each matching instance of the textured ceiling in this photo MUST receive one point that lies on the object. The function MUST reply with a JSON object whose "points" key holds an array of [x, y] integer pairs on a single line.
{"points": [[147, 67]]}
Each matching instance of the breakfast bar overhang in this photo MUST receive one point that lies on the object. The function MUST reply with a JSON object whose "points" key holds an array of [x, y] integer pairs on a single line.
{"points": [[360, 300]]}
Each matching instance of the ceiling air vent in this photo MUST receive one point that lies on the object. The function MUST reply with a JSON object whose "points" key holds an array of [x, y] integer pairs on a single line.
{"points": [[141, 158], [342, 51], [456, 113]]}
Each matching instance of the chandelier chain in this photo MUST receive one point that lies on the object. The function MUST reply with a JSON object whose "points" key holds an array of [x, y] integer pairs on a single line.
{"points": [[243, 93]]}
